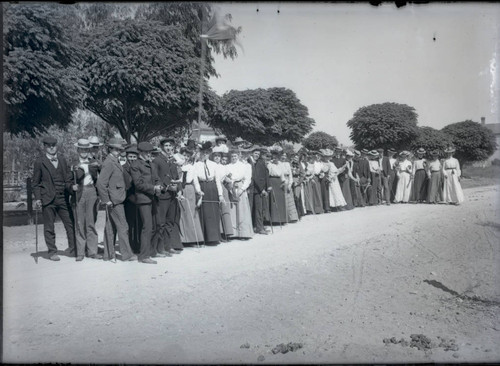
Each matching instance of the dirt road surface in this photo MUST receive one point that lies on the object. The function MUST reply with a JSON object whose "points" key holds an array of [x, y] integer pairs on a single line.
{"points": [[339, 284]]}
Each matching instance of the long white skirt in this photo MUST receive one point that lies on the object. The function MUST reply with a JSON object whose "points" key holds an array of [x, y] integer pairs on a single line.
{"points": [[403, 188], [452, 190], [335, 193], [241, 217]]}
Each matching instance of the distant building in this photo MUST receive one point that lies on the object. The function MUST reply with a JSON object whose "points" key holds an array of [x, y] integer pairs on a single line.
{"points": [[495, 128], [203, 132]]}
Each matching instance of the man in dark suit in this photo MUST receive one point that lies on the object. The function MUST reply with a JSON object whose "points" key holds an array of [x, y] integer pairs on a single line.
{"points": [[364, 174], [147, 187], [389, 175], [131, 211], [111, 188], [261, 186], [252, 159], [169, 212], [52, 185]]}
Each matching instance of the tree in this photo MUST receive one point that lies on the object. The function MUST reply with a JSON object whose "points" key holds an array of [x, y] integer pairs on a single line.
{"points": [[473, 141], [142, 78], [42, 84], [431, 139], [384, 125], [320, 140], [263, 116]]}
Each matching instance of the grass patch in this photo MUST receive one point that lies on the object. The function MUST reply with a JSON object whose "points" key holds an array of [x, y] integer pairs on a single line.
{"points": [[478, 177]]}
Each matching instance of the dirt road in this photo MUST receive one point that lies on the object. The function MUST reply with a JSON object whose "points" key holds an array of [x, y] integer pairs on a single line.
{"points": [[339, 284]]}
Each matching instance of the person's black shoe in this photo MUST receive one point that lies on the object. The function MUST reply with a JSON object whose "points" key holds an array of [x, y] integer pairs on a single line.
{"points": [[95, 256], [54, 258], [79, 258]]}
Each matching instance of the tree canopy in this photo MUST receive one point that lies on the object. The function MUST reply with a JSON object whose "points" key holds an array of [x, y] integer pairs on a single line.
{"points": [[473, 141], [42, 83], [383, 126], [142, 77], [263, 116], [431, 139], [320, 140]]}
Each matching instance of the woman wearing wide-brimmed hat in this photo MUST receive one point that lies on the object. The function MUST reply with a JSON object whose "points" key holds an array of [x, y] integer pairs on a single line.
{"points": [[277, 180], [419, 188], [404, 172], [189, 223], [435, 178], [226, 225], [452, 190], [211, 192], [240, 177], [291, 208], [336, 198]]}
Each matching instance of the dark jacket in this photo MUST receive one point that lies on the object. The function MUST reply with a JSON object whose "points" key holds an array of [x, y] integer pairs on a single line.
{"points": [[129, 183], [167, 171], [363, 169], [260, 176], [111, 184], [43, 184], [386, 166], [144, 177]]}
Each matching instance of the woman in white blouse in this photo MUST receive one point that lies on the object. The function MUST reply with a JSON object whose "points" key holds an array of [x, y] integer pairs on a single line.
{"points": [[405, 173], [240, 178], [291, 209], [205, 171], [452, 190], [190, 225], [226, 226]]}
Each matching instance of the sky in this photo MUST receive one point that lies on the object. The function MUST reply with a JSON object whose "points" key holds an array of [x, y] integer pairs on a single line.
{"points": [[441, 59]]}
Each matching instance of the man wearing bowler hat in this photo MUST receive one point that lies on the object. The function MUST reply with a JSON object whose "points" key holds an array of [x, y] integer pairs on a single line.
{"points": [[169, 212], [261, 187], [389, 175], [147, 188], [52, 185], [86, 199], [131, 211], [112, 191]]}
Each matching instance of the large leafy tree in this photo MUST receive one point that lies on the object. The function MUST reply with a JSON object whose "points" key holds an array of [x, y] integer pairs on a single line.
{"points": [[42, 83], [384, 125], [264, 116], [142, 77], [431, 139], [320, 140], [473, 142]]}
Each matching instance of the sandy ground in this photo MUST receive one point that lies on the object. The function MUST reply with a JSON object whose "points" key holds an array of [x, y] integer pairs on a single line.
{"points": [[338, 283]]}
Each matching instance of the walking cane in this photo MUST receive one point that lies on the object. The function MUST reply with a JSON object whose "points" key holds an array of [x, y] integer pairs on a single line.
{"points": [[111, 226], [276, 204], [36, 235], [270, 219], [222, 221]]}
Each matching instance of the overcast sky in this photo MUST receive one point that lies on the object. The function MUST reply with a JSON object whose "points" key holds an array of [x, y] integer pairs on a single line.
{"points": [[440, 59]]}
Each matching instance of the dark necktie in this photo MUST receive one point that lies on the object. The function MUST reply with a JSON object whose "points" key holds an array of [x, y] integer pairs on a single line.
{"points": [[207, 172]]}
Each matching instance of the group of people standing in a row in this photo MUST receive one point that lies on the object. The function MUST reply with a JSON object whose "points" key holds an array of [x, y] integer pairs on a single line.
{"points": [[158, 200]]}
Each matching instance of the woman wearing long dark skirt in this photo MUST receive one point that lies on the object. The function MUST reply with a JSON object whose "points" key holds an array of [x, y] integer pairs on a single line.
{"points": [[211, 188], [419, 188], [435, 179], [375, 177], [277, 201]]}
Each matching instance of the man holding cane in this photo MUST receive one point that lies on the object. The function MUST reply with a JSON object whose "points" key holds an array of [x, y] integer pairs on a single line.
{"points": [[111, 188], [52, 186]]}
